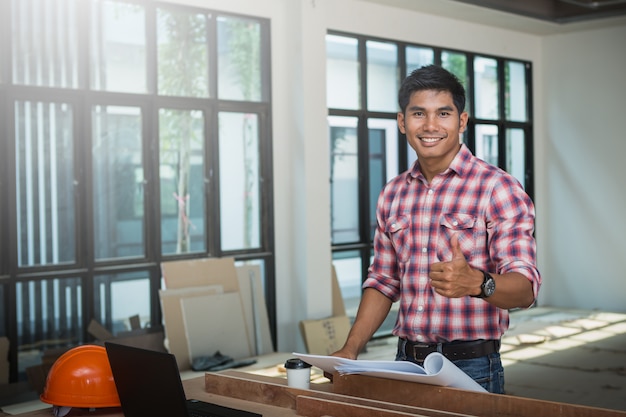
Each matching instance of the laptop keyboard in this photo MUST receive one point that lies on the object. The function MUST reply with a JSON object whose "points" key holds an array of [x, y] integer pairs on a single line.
{"points": [[197, 408]]}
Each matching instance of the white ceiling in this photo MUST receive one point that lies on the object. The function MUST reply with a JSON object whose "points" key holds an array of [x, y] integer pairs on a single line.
{"points": [[477, 14]]}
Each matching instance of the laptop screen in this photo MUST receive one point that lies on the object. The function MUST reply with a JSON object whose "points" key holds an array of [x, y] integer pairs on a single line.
{"points": [[147, 381], [148, 384]]}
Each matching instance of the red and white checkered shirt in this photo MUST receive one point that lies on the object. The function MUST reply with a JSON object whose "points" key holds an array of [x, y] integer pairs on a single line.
{"points": [[494, 219]]}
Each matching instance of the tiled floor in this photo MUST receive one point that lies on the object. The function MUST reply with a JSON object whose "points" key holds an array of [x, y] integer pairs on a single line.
{"points": [[570, 356]]}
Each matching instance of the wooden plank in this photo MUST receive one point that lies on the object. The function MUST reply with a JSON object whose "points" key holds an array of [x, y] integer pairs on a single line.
{"points": [[459, 401], [273, 391], [319, 407], [248, 389]]}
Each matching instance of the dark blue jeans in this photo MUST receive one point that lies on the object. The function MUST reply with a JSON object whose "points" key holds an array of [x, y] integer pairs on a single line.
{"points": [[485, 370]]}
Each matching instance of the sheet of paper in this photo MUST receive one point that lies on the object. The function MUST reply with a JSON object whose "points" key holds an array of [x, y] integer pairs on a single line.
{"points": [[437, 370]]}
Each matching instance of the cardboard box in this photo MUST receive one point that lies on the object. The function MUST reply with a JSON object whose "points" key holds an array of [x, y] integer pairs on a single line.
{"points": [[325, 336], [151, 339]]}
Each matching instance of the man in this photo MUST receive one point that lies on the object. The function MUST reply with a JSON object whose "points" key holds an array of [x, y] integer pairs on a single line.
{"points": [[454, 243]]}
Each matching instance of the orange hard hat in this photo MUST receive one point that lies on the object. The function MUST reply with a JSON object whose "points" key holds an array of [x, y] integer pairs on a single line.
{"points": [[81, 377]]}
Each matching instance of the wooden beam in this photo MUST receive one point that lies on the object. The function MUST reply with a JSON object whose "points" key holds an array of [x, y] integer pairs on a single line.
{"points": [[459, 401], [319, 407], [273, 391]]}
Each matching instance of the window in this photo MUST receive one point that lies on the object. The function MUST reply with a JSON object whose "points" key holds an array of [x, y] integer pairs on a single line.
{"points": [[136, 132], [367, 149]]}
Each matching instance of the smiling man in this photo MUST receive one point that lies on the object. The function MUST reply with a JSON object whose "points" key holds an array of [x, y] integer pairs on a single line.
{"points": [[454, 244]]}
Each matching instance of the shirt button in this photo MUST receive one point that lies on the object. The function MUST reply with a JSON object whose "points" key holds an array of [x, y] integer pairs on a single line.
{"points": [[430, 191], [424, 250], [455, 223], [420, 308]]}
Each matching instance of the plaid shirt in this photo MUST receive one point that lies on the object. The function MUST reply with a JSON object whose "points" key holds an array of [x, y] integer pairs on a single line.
{"points": [[494, 219]]}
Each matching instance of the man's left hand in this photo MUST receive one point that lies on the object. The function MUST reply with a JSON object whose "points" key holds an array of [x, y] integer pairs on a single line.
{"points": [[455, 278]]}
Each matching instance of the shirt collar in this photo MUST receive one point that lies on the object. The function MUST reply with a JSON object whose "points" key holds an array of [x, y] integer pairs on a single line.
{"points": [[461, 164]]}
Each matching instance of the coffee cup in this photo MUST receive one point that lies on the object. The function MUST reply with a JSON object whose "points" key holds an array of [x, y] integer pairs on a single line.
{"points": [[298, 373]]}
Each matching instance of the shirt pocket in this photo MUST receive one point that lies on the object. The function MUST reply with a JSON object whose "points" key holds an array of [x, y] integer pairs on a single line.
{"points": [[398, 228], [461, 224]]}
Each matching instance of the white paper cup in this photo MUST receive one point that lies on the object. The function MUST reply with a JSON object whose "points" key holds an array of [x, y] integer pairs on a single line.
{"points": [[298, 373]]}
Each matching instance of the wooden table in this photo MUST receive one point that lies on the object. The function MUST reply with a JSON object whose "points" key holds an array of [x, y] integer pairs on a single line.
{"points": [[356, 396], [194, 388]]}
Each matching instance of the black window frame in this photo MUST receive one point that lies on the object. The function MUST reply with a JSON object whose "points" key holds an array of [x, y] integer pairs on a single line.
{"points": [[364, 247], [86, 268]]}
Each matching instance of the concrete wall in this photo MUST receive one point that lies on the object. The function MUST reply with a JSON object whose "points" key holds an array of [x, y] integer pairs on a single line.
{"points": [[583, 174]]}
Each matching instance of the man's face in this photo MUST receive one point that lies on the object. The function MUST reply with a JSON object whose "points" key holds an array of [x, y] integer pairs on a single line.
{"points": [[433, 126]]}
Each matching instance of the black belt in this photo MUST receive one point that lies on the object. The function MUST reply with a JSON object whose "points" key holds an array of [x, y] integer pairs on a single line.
{"points": [[452, 350]]}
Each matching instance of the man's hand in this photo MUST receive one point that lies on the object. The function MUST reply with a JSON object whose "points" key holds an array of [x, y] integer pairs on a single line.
{"points": [[455, 278], [341, 353]]}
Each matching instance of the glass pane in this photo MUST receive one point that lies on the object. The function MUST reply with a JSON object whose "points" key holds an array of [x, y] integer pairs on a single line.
{"points": [[45, 183], [382, 76], [487, 143], [240, 181], [118, 194], [45, 43], [516, 154], [516, 105], [118, 47], [49, 313], [383, 160], [344, 179], [182, 34], [117, 297], [239, 59], [181, 172], [342, 73], [486, 88], [456, 63], [418, 57]]}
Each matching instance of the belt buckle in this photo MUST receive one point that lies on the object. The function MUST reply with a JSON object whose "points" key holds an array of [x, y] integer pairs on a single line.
{"points": [[418, 354], [421, 345]]}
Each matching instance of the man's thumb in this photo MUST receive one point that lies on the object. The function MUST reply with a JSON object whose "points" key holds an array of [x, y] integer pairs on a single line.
{"points": [[457, 253]]}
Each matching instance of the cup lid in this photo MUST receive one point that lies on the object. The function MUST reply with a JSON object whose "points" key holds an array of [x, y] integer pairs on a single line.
{"points": [[296, 363]]}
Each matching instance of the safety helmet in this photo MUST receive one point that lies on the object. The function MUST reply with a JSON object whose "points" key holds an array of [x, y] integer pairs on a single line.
{"points": [[81, 377]]}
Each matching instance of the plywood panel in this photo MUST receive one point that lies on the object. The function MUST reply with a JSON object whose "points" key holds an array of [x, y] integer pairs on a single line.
{"points": [[173, 320], [215, 323], [255, 309]]}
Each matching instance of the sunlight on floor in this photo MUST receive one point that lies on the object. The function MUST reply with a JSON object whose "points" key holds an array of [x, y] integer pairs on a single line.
{"points": [[571, 332]]}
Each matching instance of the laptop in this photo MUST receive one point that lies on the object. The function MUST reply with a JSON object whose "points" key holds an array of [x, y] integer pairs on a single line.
{"points": [[148, 384]]}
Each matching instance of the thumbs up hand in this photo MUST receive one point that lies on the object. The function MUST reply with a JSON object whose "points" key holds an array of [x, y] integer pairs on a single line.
{"points": [[454, 278], [457, 253]]}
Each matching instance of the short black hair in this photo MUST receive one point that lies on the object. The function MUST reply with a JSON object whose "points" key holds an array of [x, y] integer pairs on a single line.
{"points": [[431, 77]]}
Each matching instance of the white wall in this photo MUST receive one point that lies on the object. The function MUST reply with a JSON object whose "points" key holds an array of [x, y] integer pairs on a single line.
{"points": [[583, 238], [577, 80]]}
